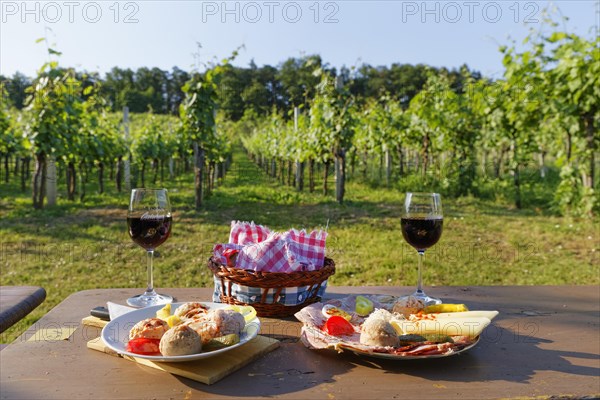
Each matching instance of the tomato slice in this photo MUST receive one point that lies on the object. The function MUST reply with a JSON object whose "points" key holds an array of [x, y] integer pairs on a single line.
{"points": [[338, 326], [144, 346]]}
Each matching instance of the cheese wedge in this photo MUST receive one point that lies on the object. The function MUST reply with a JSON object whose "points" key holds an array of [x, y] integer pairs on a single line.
{"points": [[470, 327], [468, 314]]}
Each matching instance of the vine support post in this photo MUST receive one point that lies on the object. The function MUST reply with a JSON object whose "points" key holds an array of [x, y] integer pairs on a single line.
{"points": [[400, 160], [325, 176], [515, 173], [198, 174], [388, 167], [24, 172], [590, 144], [311, 175], [82, 180], [71, 180], [100, 177], [17, 167], [299, 164], [119, 173], [51, 181], [542, 163], [39, 181], [340, 175], [6, 168], [127, 162], [299, 176], [282, 171]]}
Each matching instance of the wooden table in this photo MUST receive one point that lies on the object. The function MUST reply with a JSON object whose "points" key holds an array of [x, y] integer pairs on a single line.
{"points": [[18, 301], [545, 342]]}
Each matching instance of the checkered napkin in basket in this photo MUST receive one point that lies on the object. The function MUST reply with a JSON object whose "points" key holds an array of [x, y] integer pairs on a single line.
{"points": [[263, 250]]}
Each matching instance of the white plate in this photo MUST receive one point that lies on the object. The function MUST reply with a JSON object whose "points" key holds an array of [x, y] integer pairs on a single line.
{"points": [[116, 333], [314, 337]]}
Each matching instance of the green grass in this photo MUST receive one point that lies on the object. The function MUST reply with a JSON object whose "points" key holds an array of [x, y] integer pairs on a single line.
{"points": [[76, 246]]}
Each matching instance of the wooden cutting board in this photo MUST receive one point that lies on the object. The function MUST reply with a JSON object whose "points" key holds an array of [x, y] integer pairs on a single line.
{"points": [[202, 371]]}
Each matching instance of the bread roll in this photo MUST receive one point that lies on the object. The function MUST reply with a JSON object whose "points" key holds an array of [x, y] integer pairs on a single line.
{"points": [[179, 341]]}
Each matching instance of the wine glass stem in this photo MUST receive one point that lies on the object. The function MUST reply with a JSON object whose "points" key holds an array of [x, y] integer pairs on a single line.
{"points": [[150, 257], [420, 268]]}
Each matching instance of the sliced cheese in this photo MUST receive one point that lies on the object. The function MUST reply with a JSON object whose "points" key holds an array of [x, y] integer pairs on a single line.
{"points": [[470, 327]]}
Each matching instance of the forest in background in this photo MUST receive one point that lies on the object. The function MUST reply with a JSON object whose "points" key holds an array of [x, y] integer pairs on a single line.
{"points": [[260, 89]]}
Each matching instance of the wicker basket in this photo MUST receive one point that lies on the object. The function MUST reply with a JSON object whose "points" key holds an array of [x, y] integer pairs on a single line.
{"points": [[271, 281]]}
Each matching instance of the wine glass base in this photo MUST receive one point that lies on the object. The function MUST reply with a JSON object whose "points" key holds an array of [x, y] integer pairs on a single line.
{"points": [[427, 300], [144, 300]]}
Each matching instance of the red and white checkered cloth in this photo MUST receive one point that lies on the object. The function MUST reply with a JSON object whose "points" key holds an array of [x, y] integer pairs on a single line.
{"points": [[263, 250], [245, 233]]}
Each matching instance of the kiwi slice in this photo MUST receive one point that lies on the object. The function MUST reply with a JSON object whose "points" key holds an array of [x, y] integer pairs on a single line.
{"points": [[438, 338], [221, 342]]}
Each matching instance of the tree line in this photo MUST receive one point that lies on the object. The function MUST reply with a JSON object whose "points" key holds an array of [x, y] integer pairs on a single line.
{"points": [[259, 89]]}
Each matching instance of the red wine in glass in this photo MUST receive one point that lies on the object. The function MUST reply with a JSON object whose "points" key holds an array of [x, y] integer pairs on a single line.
{"points": [[149, 221], [421, 232], [149, 232], [422, 222]]}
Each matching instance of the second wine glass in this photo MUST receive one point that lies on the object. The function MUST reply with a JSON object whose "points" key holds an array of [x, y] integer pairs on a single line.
{"points": [[422, 221], [149, 220]]}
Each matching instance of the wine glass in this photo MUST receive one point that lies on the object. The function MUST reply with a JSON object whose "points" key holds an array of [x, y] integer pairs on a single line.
{"points": [[149, 220], [421, 223]]}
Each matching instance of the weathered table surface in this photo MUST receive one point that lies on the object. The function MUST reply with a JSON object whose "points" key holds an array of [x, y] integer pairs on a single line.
{"points": [[18, 301], [545, 342]]}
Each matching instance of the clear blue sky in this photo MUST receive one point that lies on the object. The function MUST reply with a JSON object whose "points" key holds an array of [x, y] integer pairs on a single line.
{"points": [[97, 35]]}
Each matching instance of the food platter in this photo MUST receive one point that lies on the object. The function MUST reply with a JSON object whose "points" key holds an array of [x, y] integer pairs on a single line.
{"points": [[414, 336], [116, 334]]}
